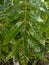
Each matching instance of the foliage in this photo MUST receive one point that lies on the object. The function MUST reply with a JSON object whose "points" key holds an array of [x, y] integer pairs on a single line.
{"points": [[24, 30]]}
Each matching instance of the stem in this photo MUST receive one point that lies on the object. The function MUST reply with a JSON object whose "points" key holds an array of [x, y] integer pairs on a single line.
{"points": [[25, 15]]}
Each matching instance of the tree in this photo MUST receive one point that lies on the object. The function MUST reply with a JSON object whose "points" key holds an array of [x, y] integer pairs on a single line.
{"points": [[24, 30]]}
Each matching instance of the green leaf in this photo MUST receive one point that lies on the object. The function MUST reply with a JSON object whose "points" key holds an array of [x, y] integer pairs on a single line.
{"points": [[12, 33]]}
